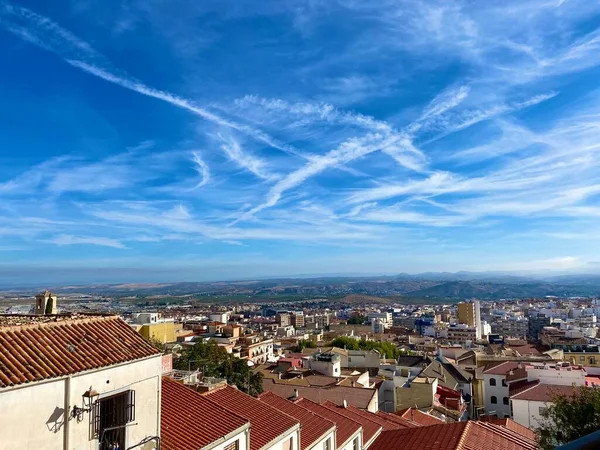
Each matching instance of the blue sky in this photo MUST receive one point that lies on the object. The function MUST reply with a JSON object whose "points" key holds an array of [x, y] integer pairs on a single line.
{"points": [[198, 140]]}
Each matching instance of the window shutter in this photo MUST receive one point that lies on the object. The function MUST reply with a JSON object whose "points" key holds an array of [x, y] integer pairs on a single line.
{"points": [[130, 407], [233, 446]]}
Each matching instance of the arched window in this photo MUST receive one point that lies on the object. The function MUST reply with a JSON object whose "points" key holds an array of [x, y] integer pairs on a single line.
{"points": [[505, 400], [494, 400], [492, 382]]}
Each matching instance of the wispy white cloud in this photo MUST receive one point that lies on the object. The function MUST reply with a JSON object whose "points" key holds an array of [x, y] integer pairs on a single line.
{"points": [[202, 169], [67, 239], [245, 160], [45, 33]]}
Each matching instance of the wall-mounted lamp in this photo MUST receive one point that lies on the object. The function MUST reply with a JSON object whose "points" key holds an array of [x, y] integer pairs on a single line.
{"points": [[89, 398]]}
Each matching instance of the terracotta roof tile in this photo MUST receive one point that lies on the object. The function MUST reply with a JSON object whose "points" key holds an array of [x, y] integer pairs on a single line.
{"points": [[356, 396], [511, 425], [367, 415], [519, 386], [404, 423], [266, 422], [34, 350], [346, 428], [420, 417], [502, 368], [453, 436], [312, 427], [190, 421], [543, 392], [434, 437], [371, 429]]}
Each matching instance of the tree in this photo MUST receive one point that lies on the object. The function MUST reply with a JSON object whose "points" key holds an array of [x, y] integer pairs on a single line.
{"points": [[387, 349], [302, 344], [214, 361], [569, 418], [357, 319]]}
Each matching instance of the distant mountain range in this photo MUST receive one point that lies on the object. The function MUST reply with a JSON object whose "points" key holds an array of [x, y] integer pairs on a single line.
{"points": [[452, 286]]}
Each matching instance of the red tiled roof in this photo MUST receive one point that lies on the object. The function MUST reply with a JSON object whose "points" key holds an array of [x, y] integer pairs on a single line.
{"points": [[346, 428], [312, 427], [420, 417], [189, 421], [371, 429], [519, 386], [33, 349], [502, 368], [385, 424], [453, 436], [544, 392], [266, 422], [404, 423], [359, 397], [511, 425]]}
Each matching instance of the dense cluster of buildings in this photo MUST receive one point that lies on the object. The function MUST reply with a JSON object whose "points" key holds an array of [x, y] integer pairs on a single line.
{"points": [[473, 372]]}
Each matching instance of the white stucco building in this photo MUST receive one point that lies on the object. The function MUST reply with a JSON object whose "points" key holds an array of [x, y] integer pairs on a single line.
{"points": [[77, 383], [528, 405], [496, 387]]}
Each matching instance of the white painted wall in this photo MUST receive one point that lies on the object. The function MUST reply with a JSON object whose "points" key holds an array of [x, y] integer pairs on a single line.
{"points": [[282, 442], [562, 377], [527, 413], [349, 444], [241, 436], [499, 391], [320, 444], [329, 368], [32, 416]]}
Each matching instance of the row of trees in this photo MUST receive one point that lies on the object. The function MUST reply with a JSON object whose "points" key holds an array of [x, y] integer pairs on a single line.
{"points": [[214, 361], [387, 349]]}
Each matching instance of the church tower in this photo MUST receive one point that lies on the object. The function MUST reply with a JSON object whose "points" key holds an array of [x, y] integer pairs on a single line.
{"points": [[45, 303]]}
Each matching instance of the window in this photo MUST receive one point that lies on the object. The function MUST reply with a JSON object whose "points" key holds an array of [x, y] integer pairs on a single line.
{"points": [[233, 446], [109, 417], [494, 400], [289, 444], [492, 382], [505, 400], [542, 410], [327, 445], [504, 383], [355, 445]]}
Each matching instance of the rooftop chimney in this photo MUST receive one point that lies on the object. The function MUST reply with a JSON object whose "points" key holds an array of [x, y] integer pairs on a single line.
{"points": [[345, 404], [296, 393]]}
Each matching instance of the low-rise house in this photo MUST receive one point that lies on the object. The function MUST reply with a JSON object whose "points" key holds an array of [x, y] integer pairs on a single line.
{"points": [[256, 349], [204, 426], [497, 389], [528, 405], [348, 431], [270, 429], [77, 382], [363, 398], [316, 433]]}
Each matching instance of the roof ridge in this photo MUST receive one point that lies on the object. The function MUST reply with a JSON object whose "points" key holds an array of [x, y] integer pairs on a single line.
{"points": [[463, 436]]}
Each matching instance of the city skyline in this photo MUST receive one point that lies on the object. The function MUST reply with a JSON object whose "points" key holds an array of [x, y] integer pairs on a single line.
{"points": [[199, 141]]}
